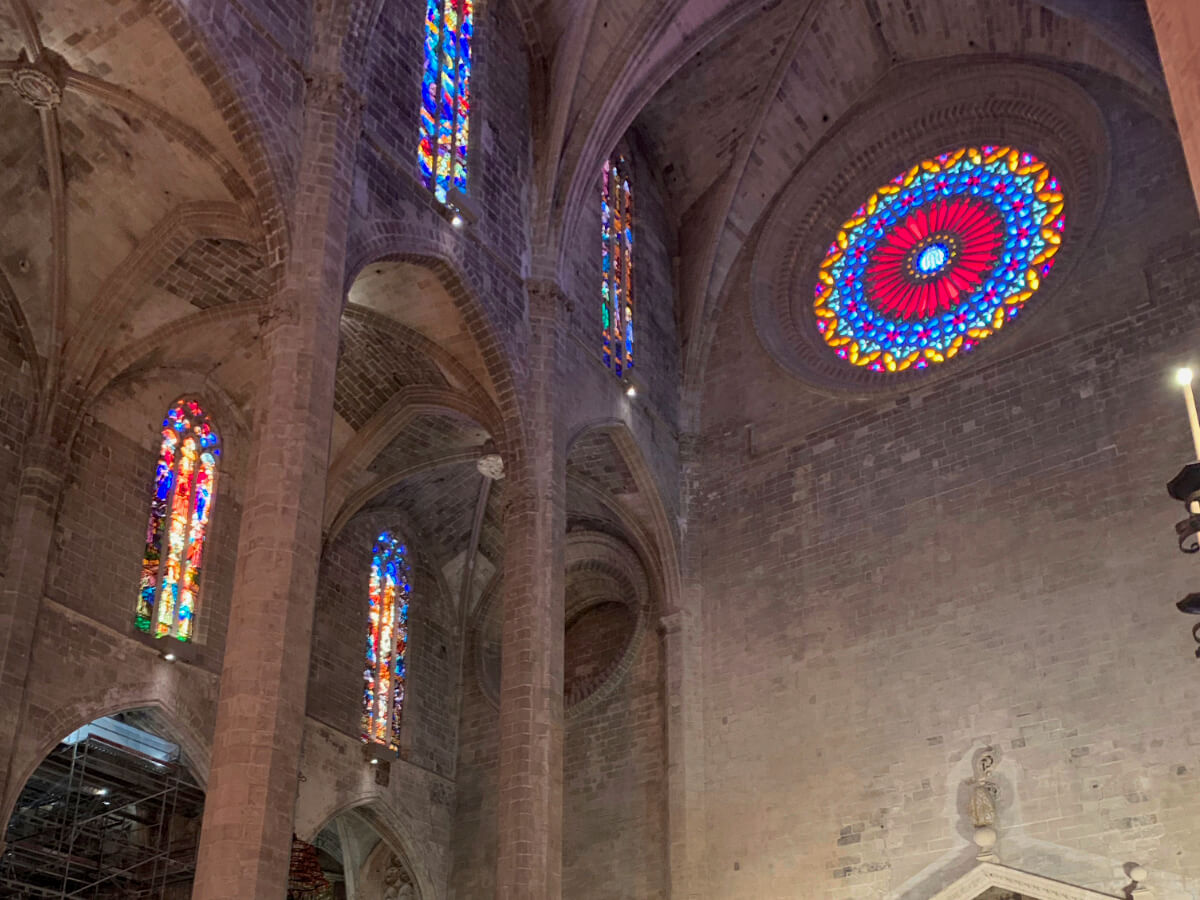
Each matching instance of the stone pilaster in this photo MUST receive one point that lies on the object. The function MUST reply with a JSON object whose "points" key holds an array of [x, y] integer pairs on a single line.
{"points": [[246, 836], [1177, 31], [682, 634], [24, 585], [529, 859]]}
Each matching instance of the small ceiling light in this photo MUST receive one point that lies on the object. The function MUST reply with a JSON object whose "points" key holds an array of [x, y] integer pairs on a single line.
{"points": [[457, 221], [169, 657], [101, 792], [631, 392], [1183, 376]]}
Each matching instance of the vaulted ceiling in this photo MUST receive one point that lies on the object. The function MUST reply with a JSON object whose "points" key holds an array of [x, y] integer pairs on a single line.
{"points": [[732, 97]]}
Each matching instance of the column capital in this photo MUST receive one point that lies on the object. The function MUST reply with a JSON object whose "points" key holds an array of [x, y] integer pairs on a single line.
{"points": [[44, 469]]}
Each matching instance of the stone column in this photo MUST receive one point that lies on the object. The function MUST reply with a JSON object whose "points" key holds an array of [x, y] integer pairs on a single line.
{"points": [[24, 586], [529, 857], [246, 836], [683, 659], [1177, 30]]}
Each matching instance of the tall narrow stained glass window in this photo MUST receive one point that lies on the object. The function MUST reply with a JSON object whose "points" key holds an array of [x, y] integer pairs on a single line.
{"points": [[387, 642], [184, 490], [616, 265], [446, 96]]}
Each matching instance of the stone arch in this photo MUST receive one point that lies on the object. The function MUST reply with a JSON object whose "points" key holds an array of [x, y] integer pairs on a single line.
{"points": [[34, 747], [372, 806], [141, 359], [186, 224], [655, 538], [437, 250], [205, 43], [356, 501]]}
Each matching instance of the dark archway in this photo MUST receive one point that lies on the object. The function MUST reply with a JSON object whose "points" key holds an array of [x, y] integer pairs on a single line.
{"points": [[113, 811]]}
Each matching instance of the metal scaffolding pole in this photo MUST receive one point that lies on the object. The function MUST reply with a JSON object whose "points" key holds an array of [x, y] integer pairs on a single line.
{"points": [[99, 821]]}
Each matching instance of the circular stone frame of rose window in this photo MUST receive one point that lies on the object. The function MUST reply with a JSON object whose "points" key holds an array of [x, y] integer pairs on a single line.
{"points": [[1029, 108]]}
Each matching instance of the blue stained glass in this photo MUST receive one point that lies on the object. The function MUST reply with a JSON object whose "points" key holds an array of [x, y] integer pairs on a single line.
{"points": [[445, 105], [616, 267], [387, 642], [994, 206]]}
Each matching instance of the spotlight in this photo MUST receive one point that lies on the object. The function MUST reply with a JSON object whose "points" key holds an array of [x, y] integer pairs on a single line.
{"points": [[170, 657], [101, 792], [1183, 376], [631, 392], [457, 221], [374, 760]]}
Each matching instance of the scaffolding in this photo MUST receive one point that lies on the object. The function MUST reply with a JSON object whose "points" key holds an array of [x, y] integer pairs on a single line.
{"points": [[101, 820]]}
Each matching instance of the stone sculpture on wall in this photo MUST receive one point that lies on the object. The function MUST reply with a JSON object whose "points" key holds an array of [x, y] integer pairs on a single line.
{"points": [[981, 805], [396, 882]]}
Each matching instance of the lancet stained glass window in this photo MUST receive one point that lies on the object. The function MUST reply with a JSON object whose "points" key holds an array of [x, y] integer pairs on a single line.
{"points": [[387, 642], [446, 95], [184, 489], [939, 258], [616, 265]]}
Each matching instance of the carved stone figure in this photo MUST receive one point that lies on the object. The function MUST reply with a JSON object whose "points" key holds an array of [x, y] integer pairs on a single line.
{"points": [[982, 805], [396, 883]]}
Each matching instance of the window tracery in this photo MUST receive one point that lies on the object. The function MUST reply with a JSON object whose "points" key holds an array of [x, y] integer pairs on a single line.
{"points": [[180, 510], [385, 673], [939, 258], [446, 96], [616, 265]]}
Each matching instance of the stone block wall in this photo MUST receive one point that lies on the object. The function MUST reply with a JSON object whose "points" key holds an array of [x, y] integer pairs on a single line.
{"points": [[95, 563], [614, 795], [473, 851], [892, 582]]}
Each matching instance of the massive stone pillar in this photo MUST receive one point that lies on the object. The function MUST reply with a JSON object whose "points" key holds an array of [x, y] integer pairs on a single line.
{"points": [[1177, 30], [21, 599], [529, 858], [246, 836]]}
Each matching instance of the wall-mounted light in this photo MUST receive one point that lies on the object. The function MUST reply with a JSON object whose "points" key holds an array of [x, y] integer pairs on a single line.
{"points": [[1185, 487], [631, 391], [460, 208], [170, 657]]}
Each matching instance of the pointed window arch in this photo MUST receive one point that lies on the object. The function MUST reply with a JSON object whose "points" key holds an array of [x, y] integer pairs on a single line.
{"points": [[446, 96], [616, 265], [385, 673], [185, 484]]}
